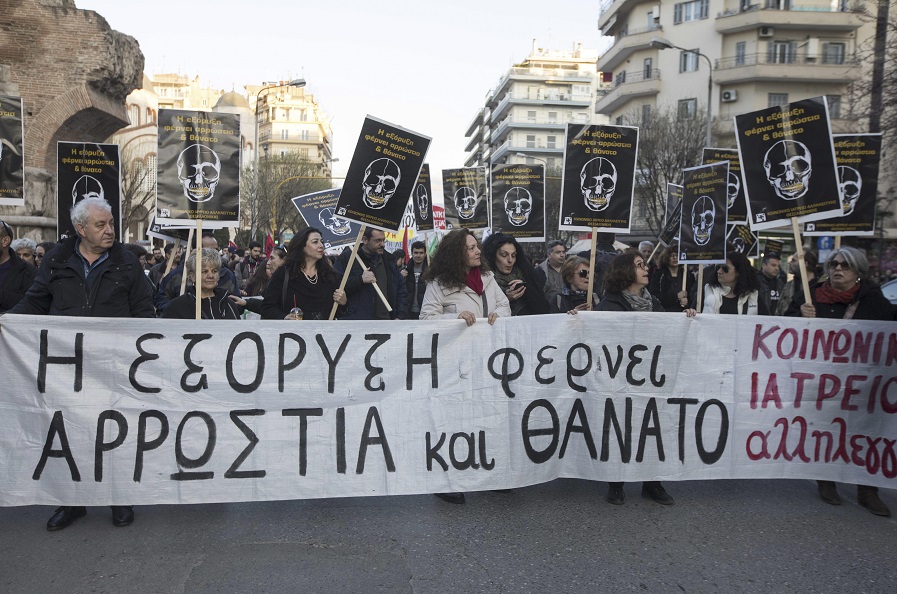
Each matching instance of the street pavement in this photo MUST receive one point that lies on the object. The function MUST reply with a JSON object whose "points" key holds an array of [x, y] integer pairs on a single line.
{"points": [[721, 536]]}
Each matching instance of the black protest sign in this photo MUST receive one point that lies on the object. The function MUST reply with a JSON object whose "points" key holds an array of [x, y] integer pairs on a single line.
{"points": [[599, 178], [518, 201], [167, 234], [742, 240], [670, 231], [466, 195], [12, 154], [788, 164], [674, 197], [86, 171], [319, 211], [736, 204], [422, 199], [773, 245], [198, 167], [702, 226], [858, 157], [382, 175]]}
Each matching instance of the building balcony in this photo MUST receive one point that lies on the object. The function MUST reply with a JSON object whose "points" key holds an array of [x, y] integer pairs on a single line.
{"points": [[474, 141], [565, 100], [817, 18], [510, 123], [628, 86], [612, 14], [805, 69], [473, 159], [547, 76], [537, 148], [474, 123], [627, 43]]}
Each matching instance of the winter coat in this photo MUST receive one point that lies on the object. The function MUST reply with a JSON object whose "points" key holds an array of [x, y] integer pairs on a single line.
{"points": [[217, 307], [616, 302], [18, 280], [362, 297], [170, 286], [410, 281], [871, 304], [713, 299], [442, 302]]}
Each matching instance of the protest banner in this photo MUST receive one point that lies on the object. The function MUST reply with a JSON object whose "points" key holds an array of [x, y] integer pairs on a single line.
{"points": [[118, 412], [518, 201], [318, 209], [465, 193], [787, 164], [858, 157], [382, 174], [674, 198], [741, 239], [598, 182], [12, 152], [85, 170], [198, 168], [423, 201], [702, 226], [735, 202]]}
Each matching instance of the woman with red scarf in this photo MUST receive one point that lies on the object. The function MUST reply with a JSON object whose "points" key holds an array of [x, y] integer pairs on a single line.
{"points": [[847, 294]]}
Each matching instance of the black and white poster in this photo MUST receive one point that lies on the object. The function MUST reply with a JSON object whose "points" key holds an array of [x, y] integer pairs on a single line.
{"points": [[422, 199], [788, 164], [198, 168], [736, 205], [85, 170], [466, 195], [12, 154], [741, 239], [702, 226], [382, 175], [319, 211], [670, 231], [599, 178], [518, 201], [674, 197], [858, 157], [167, 234]]}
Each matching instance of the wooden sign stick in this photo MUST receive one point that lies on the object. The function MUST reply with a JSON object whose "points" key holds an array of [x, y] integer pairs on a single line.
{"points": [[342, 284], [592, 267], [186, 255], [197, 270], [799, 247]]}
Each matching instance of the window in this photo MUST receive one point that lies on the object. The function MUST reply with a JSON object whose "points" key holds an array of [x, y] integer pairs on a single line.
{"points": [[149, 182], [620, 78], [582, 117], [582, 90], [530, 141], [284, 134], [303, 115], [531, 116], [646, 115], [304, 135], [740, 53], [834, 106], [134, 115], [552, 141], [688, 61], [777, 99], [690, 11], [618, 120], [833, 53], [648, 68], [688, 108], [650, 23], [782, 52], [552, 117]]}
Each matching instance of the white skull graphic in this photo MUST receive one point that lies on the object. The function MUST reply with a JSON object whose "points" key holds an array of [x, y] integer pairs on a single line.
{"points": [[738, 245], [465, 200], [732, 189], [598, 180], [334, 224], [199, 170], [851, 184], [518, 206], [703, 213], [788, 167], [423, 201], [87, 187], [381, 180]]}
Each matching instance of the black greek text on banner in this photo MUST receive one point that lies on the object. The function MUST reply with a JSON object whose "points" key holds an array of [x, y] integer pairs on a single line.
{"points": [[164, 411]]}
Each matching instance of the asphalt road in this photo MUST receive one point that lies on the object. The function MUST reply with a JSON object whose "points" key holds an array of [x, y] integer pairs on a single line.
{"points": [[721, 536]]}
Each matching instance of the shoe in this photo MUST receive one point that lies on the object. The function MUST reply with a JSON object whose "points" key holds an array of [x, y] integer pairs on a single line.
{"points": [[654, 490], [122, 515], [64, 516], [829, 492], [615, 494], [868, 498], [457, 498], [503, 491]]}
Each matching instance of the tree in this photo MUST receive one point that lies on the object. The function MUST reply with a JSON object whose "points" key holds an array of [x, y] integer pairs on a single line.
{"points": [[138, 188]]}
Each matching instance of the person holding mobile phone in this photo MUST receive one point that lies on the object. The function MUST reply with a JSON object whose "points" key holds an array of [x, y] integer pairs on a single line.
{"points": [[515, 275]]}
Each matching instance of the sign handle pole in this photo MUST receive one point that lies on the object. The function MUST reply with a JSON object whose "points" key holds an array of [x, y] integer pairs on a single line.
{"points": [[799, 247], [592, 267], [700, 287], [837, 242], [376, 286], [197, 280], [186, 255], [171, 257], [656, 247], [685, 277], [342, 284]]}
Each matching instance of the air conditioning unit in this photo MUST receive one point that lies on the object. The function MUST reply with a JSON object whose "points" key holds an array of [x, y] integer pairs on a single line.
{"points": [[729, 96], [767, 31]]}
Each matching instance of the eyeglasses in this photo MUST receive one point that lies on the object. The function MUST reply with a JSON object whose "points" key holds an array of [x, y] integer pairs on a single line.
{"points": [[724, 268], [582, 273], [836, 264], [641, 265]]}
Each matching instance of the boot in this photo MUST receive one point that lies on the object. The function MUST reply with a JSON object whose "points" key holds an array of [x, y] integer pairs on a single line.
{"points": [[828, 492], [654, 490], [615, 494], [868, 498]]}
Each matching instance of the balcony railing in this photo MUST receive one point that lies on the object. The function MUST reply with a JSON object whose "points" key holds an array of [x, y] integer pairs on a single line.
{"points": [[842, 6], [788, 60], [625, 32], [621, 78]]}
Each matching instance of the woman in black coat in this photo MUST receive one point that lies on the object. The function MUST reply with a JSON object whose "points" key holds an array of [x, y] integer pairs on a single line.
{"points": [[216, 304], [515, 275], [666, 282]]}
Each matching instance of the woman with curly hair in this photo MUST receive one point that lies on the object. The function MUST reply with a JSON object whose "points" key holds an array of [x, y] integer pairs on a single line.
{"points": [[734, 289], [515, 275], [666, 282], [305, 281]]}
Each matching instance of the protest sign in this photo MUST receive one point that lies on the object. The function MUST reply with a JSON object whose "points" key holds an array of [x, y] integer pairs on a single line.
{"points": [[773, 245], [465, 193], [702, 226], [318, 209], [198, 171], [518, 201], [741, 239], [787, 164], [598, 183], [423, 200], [674, 197], [382, 174], [12, 153], [735, 202], [168, 234], [85, 170]]}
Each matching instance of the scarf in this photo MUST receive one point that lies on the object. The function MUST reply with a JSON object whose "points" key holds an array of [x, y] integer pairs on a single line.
{"points": [[640, 302], [826, 293], [474, 280]]}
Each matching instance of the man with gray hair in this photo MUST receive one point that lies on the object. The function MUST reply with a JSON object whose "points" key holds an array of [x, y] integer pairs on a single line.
{"points": [[89, 275], [548, 272]]}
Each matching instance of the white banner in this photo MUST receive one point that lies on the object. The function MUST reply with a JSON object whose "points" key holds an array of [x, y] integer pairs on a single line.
{"points": [[111, 411]]}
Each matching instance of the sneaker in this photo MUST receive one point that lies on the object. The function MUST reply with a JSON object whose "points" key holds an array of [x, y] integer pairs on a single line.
{"points": [[655, 491], [615, 494]]}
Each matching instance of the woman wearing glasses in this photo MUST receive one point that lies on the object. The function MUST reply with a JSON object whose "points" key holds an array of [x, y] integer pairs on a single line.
{"points": [[734, 289], [847, 294], [573, 297]]}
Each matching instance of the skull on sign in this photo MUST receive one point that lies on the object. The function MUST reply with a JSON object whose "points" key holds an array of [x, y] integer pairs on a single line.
{"points": [[851, 184], [423, 201], [465, 200], [86, 187], [703, 213], [381, 180], [788, 165], [732, 189], [199, 170], [598, 180], [332, 223], [518, 206]]}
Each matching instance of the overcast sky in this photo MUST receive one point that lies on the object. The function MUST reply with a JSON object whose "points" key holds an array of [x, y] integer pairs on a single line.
{"points": [[419, 64]]}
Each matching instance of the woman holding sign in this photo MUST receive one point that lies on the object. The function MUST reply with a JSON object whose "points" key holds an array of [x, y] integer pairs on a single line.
{"points": [[734, 289], [215, 303], [847, 294], [626, 289], [666, 282], [305, 286]]}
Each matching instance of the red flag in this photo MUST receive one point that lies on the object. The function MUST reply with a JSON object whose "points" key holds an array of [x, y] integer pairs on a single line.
{"points": [[405, 245], [269, 244]]}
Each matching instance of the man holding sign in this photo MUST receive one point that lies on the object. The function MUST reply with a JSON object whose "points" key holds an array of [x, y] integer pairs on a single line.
{"points": [[374, 265]]}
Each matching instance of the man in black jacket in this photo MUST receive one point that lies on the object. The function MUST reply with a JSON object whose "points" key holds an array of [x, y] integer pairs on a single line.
{"points": [[364, 303], [16, 275], [89, 275], [414, 279], [771, 283]]}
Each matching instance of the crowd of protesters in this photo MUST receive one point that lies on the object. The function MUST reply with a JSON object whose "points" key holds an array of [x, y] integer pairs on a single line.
{"points": [[92, 274]]}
